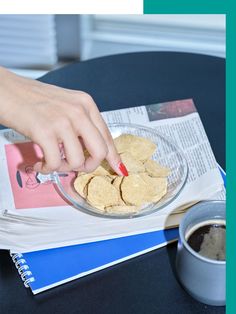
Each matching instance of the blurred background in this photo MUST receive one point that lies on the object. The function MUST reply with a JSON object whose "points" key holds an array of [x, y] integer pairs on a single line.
{"points": [[31, 45]]}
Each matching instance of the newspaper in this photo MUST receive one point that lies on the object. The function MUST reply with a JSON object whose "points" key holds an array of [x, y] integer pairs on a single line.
{"points": [[33, 216]]}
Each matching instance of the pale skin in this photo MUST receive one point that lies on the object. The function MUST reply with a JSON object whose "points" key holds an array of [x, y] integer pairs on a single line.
{"points": [[52, 116]]}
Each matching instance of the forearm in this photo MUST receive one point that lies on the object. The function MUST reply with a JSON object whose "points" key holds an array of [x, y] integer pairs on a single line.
{"points": [[14, 96], [49, 115], [7, 97]]}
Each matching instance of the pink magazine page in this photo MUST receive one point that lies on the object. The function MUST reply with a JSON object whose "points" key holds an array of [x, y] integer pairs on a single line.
{"points": [[27, 190]]}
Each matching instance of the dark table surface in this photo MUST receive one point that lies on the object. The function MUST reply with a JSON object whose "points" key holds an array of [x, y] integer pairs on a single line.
{"points": [[145, 284]]}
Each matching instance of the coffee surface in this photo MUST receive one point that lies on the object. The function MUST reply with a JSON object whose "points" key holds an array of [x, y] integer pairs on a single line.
{"points": [[208, 240]]}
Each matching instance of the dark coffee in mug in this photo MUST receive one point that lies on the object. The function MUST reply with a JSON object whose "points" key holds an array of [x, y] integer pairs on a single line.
{"points": [[208, 239]]}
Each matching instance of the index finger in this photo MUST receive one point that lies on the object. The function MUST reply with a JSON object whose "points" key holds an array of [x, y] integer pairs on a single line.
{"points": [[112, 157]]}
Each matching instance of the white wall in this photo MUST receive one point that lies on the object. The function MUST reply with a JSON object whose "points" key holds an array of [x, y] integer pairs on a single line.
{"points": [[108, 34], [27, 41], [39, 41]]}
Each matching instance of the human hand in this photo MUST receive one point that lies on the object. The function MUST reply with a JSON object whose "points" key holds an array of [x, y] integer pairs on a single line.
{"points": [[52, 116]]}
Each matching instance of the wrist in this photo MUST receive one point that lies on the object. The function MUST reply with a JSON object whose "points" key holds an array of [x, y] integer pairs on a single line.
{"points": [[7, 99], [4, 77]]}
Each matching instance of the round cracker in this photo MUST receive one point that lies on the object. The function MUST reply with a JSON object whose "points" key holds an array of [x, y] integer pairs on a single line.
{"points": [[81, 182], [101, 208], [117, 183], [122, 209], [101, 192], [135, 191], [108, 178], [140, 147], [157, 187], [132, 165], [100, 171], [156, 170]]}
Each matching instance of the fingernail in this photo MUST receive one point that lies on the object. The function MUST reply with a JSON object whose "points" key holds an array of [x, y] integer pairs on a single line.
{"points": [[123, 169]]}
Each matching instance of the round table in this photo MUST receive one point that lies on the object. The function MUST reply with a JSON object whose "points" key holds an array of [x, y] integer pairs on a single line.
{"points": [[145, 284]]}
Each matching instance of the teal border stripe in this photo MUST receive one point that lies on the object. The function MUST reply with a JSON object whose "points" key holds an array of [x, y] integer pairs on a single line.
{"points": [[231, 160], [185, 6], [228, 8]]}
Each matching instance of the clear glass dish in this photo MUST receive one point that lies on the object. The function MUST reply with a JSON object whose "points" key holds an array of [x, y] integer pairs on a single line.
{"points": [[167, 154]]}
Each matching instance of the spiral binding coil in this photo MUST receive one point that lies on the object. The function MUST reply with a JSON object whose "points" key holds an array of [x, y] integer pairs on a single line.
{"points": [[23, 268]]}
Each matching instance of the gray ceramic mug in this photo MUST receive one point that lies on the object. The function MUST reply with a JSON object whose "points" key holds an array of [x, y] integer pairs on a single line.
{"points": [[202, 278]]}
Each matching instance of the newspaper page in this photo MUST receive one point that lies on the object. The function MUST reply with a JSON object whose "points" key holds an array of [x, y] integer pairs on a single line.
{"points": [[39, 218]]}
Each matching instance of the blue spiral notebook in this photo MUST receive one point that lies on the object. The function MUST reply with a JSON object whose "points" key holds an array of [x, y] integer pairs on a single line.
{"points": [[42, 270]]}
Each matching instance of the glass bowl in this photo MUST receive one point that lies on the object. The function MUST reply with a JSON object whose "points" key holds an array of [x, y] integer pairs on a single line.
{"points": [[167, 154]]}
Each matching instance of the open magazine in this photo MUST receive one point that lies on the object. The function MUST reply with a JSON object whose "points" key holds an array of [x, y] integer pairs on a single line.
{"points": [[33, 215]]}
